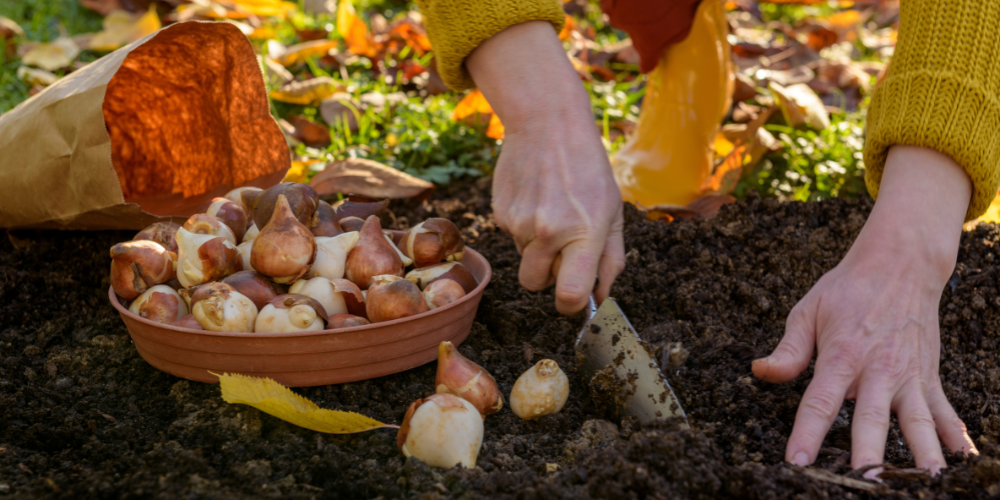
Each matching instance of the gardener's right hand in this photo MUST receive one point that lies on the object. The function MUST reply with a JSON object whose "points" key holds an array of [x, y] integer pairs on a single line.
{"points": [[553, 189]]}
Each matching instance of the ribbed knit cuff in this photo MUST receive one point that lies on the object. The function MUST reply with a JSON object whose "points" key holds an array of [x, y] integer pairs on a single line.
{"points": [[457, 27], [944, 111]]}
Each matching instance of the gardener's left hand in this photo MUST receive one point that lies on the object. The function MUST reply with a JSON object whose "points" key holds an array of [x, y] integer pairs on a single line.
{"points": [[873, 321]]}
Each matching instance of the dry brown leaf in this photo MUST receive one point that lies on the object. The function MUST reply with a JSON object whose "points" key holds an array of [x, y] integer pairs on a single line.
{"points": [[309, 132], [300, 52], [52, 56], [801, 106], [122, 28], [369, 178], [308, 92], [339, 109]]}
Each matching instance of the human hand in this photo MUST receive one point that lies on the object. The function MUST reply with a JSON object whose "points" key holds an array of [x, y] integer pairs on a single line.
{"points": [[873, 321], [553, 189]]}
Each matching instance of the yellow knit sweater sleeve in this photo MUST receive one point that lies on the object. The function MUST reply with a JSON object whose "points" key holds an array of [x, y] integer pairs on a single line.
{"points": [[943, 92], [457, 27]]}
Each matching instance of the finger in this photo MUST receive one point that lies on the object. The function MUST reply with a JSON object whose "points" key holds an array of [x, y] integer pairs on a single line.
{"points": [[917, 424], [950, 427], [792, 355], [612, 263], [536, 264], [576, 277], [819, 407], [870, 424]]}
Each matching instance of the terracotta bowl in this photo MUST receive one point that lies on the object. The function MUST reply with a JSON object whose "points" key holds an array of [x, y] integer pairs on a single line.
{"points": [[314, 358]]}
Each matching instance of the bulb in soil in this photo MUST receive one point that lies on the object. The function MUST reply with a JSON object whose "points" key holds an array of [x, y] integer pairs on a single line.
{"points": [[138, 265], [218, 307], [372, 256], [204, 257], [455, 271], [236, 196], [331, 255], [160, 232], [301, 198], [467, 380], [542, 390], [231, 214], [432, 241], [396, 299], [441, 430], [443, 292], [291, 313], [285, 248], [325, 222], [323, 291], [188, 321], [346, 321], [161, 304], [254, 286]]}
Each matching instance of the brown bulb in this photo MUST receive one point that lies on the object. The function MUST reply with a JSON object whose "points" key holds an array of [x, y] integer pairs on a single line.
{"points": [[231, 214], [138, 265], [454, 271], [325, 222], [397, 299], [372, 256], [353, 298], [433, 240], [160, 232], [467, 380], [361, 207], [285, 248], [345, 320], [160, 304], [255, 286], [351, 223], [301, 198], [443, 292], [188, 321]]}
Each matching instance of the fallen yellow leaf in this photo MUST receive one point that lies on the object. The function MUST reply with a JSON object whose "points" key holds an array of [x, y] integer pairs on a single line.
{"points": [[52, 56], [354, 30], [722, 146], [275, 399], [120, 28], [307, 92], [300, 52]]}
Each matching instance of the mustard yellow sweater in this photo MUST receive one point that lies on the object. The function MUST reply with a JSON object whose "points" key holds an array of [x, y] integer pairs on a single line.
{"points": [[942, 90]]}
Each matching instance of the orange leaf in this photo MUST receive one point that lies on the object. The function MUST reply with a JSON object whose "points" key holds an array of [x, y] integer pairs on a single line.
{"points": [[353, 29], [413, 36], [568, 28], [495, 130], [723, 179], [474, 102]]}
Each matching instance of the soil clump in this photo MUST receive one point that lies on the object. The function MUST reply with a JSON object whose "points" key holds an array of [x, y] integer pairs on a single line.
{"points": [[82, 415]]}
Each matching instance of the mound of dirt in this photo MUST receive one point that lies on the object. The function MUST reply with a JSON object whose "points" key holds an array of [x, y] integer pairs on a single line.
{"points": [[82, 415]]}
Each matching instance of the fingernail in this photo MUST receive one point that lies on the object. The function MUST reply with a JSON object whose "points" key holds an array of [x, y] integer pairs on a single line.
{"points": [[935, 470], [801, 458], [760, 361], [872, 474]]}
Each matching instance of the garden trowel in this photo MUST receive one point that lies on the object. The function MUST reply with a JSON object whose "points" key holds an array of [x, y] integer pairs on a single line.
{"points": [[608, 340]]}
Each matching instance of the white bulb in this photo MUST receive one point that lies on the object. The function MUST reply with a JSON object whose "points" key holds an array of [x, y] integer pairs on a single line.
{"points": [[443, 432], [331, 254], [542, 390], [299, 318], [324, 292]]}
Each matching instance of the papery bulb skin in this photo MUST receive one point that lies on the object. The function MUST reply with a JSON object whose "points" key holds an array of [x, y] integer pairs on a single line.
{"points": [[188, 321], [230, 213], [236, 196], [160, 232], [372, 256], [285, 248], [323, 291], [218, 307], [159, 303], [432, 241], [251, 233], [354, 297], [361, 207], [254, 286], [208, 225], [542, 390], [457, 375], [204, 257], [407, 262], [291, 313], [396, 236], [245, 250], [346, 321], [138, 265], [301, 198], [455, 271], [441, 430], [331, 255], [443, 292], [325, 222], [352, 223], [398, 299]]}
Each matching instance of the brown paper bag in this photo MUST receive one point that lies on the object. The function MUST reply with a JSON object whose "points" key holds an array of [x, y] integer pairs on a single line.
{"points": [[155, 129]]}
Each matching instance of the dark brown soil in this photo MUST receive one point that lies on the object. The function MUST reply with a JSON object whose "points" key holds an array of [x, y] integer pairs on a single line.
{"points": [[83, 416]]}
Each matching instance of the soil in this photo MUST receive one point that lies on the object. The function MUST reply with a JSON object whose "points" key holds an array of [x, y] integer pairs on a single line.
{"points": [[83, 416]]}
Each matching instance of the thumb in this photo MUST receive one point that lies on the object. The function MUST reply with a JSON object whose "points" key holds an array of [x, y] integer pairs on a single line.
{"points": [[575, 275], [792, 355]]}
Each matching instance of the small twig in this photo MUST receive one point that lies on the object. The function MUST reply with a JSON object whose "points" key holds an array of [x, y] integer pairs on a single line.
{"points": [[847, 482]]}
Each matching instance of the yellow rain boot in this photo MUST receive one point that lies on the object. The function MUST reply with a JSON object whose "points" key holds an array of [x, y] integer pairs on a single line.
{"points": [[687, 96]]}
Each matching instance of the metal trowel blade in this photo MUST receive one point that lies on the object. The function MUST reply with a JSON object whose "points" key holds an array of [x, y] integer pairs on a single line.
{"points": [[608, 339]]}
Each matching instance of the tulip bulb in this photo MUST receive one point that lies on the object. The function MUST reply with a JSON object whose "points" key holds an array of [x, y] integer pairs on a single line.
{"points": [[455, 271], [236, 196], [251, 233], [352, 223], [397, 299], [218, 307], [245, 250], [441, 430], [542, 390], [467, 380], [443, 292], [291, 313], [331, 255], [203, 257], [285, 248], [432, 241], [354, 297], [138, 265], [160, 232], [406, 260], [188, 321], [346, 321], [323, 291], [232, 214], [372, 256], [161, 304], [325, 222], [301, 198], [255, 286], [361, 207], [208, 225]]}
